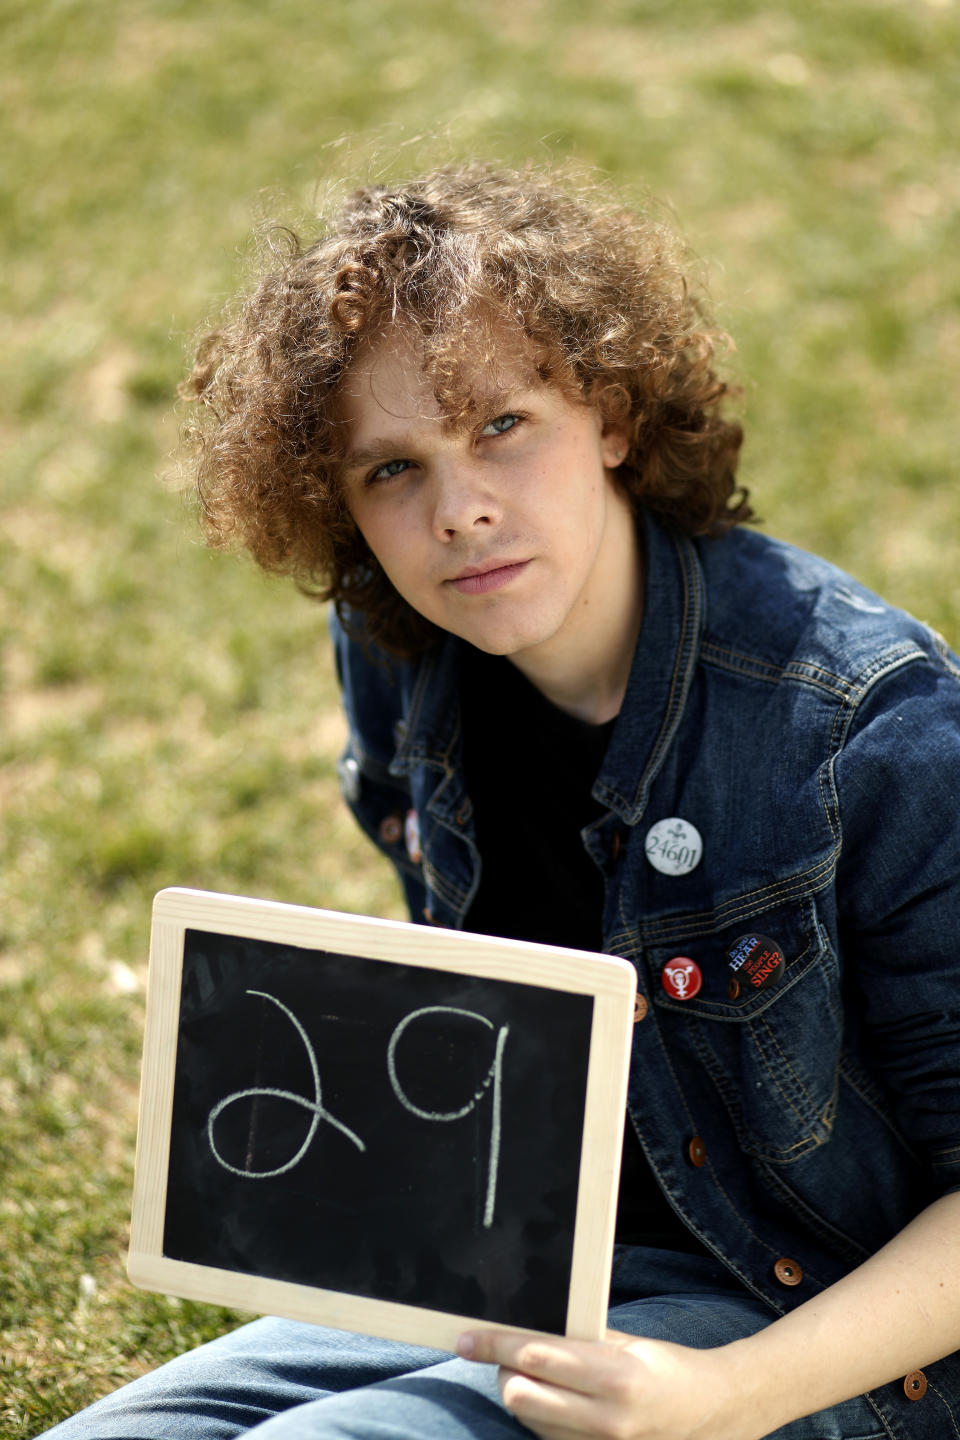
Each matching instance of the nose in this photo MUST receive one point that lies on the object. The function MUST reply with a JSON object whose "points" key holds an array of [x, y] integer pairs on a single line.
{"points": [[464, 500]]}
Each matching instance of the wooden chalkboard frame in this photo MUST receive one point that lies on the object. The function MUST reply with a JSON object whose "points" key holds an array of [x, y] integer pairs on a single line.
{"points": [[610, 981]]}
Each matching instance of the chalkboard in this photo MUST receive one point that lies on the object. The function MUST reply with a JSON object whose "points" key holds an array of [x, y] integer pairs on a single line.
{"points": [[379, 1126]]}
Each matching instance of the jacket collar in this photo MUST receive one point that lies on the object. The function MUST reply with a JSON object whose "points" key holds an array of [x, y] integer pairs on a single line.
{"points": [[664, 663]]}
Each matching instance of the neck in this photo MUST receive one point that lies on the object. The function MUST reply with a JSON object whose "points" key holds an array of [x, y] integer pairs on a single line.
{"points": [[585, 670]]}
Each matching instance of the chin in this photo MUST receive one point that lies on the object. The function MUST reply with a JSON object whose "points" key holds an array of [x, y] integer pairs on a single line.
{"points": [[507, 645]]}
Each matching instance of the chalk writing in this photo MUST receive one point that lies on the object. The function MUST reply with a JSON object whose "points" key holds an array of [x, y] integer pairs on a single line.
{"points": [[255, 1093], [492, 1081], [494, 1074]]}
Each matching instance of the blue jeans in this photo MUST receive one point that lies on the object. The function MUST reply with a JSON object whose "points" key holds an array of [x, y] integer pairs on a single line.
{"points": [[278, 1380]]}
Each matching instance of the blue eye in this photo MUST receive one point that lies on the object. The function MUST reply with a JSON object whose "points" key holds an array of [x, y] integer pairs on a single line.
{"points": [[388, 471], [500, 425]]}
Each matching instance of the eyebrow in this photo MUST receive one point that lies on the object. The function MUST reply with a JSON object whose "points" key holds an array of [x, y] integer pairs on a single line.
{"points": [[382, 450], [401, 447]]}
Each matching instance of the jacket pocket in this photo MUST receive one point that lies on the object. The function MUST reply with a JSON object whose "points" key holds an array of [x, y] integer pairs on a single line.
{"points": [[772, 1050]]}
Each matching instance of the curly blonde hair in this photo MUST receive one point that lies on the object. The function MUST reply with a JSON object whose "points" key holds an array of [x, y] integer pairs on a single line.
{"points": [[598, 295]]}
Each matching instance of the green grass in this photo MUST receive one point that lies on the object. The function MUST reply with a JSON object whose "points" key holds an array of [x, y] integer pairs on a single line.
{"points": [[167, 716]]}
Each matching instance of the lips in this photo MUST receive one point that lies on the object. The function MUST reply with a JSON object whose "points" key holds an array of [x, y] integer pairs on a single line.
{"points": [[480, 580]]}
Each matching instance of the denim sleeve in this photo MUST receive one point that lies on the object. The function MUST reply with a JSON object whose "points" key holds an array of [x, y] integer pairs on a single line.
{"points": [[378, 801], [898, 888]]}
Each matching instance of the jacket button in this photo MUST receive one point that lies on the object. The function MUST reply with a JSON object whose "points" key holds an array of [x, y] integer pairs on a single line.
{"points": [[391, 828], [787, 1271], [915, 1385], [697, 1152], [640, 1008], [615, 846]]}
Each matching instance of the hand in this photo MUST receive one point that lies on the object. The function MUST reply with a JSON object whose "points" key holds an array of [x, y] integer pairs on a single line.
{"points": [[620, 1388]]}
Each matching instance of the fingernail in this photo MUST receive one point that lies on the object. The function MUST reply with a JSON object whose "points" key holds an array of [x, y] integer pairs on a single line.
{"points": [[466, 1346]]}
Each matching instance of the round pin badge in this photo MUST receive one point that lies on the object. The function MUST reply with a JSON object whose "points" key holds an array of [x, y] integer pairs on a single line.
{"points": [[348, 773], [673, 846], [681, 977], [411, 832], [755, 962]]}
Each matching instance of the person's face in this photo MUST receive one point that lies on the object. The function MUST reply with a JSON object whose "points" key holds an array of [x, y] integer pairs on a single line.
{"points": [[497, 533]]}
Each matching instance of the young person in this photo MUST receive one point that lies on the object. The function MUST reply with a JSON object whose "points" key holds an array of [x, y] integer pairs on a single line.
{"points": [[587, 706]]}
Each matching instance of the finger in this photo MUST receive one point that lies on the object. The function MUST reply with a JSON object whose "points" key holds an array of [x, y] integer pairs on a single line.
{"points": [[551, 1412], [622, 1340], [570, 1364]]}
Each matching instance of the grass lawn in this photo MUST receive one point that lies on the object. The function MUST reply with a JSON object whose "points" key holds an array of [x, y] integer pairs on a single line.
{"points": [[167, 716]]}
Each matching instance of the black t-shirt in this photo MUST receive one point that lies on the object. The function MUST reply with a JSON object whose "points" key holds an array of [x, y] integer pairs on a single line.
{"points": [[530, 769]]}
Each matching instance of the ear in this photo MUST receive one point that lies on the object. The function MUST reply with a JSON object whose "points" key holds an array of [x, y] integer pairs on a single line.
{"points": [[614, 445]]}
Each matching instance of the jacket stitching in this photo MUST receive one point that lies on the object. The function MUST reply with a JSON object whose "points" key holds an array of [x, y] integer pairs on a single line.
{"points": [[750, 1143], [946, 1404], [444, 889], [874, 1103], [709, 922], [798, 670], [808, 1112], [836, 1239], [683, 667]]}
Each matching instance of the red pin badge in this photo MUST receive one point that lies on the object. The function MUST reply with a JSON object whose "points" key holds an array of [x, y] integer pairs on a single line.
{"points": [[681, 977]]}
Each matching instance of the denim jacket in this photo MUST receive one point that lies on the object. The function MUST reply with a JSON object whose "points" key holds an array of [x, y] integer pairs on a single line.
{"points": [[810, 734]]}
